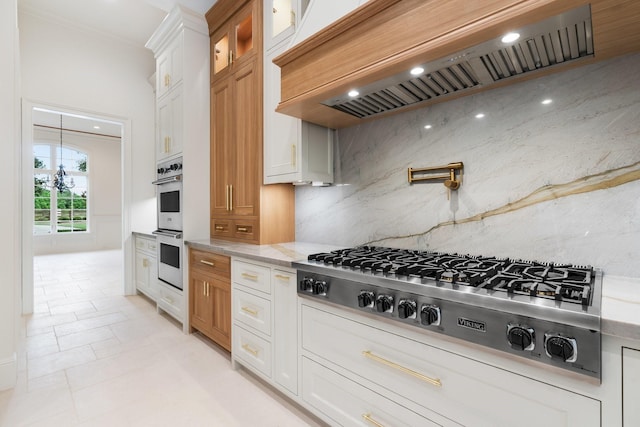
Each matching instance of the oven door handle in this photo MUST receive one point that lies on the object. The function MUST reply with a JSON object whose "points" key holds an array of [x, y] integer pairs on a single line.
{"points": [[167, 180], [167, 233]]}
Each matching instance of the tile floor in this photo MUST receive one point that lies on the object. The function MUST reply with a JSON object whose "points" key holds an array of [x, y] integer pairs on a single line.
{"points": [[89, 356]]}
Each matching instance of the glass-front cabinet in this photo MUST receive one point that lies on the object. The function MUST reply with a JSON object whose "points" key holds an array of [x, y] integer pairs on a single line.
{"points": [[281, 18], [234, 43]]}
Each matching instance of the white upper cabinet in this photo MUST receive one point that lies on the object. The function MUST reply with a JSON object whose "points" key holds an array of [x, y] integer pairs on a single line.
{"points": [[294, 151], [169, 67]]}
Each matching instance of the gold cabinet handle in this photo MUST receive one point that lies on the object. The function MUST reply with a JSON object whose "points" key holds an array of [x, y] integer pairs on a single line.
{"points": [[282, 277], [167, 80], [250, 276], [167, 299], [293, 155], [208, 287], [433, 381], [145, 262], [219, 227], [242, 229], [367, 418], [248, 349], [230, 57], [226, 197], [250, 311], [230, 197], [293, 18], [209, 263]]}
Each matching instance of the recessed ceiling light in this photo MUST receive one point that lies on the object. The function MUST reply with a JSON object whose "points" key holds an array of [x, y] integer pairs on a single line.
{"points": [[96, 127], [479, 115], [510, 37], [417, 71], [353, 93], [547, 101], [427, 127]]}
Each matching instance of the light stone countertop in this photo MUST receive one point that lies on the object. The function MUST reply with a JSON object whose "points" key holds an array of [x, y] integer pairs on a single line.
{"points": [[281, 254], [620, 308]]}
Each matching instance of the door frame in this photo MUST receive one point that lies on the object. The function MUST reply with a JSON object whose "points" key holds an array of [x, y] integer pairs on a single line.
{"points": [[26, 203]]}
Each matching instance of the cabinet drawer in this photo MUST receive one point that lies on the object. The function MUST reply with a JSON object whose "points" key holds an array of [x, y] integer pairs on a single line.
{"points": [[245, 229], [251, 349], [252, 310], [435, 379], [221, 228], [170, 301], [350, 404], [146, 244], [210, 263], [252, 275]]}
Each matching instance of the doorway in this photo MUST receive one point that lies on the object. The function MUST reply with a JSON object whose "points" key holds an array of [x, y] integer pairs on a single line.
{"points": [[88, 213]]}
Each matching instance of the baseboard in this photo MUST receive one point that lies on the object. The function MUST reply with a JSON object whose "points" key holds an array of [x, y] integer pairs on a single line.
{"points": [[8, 372]]}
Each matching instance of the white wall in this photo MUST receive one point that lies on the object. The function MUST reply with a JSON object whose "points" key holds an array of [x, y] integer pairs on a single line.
{"points": [[83, 72], [9, 219], [105, 204]]}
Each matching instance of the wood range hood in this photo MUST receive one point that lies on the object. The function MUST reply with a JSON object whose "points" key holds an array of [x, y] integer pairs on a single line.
{"points": [[456, 42]]}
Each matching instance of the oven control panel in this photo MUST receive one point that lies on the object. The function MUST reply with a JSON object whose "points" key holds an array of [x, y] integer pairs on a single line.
{"points": [[169, 168]]}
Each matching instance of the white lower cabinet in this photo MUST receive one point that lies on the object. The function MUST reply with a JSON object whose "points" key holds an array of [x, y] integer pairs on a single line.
{"points": [[630, 387], [146, 266], [171, 301], [431, 380], [349, 404], [265, 322]]}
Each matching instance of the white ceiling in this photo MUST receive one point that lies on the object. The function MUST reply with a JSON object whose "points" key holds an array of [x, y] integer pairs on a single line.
{"points": [[81, 123], [131, 21]]}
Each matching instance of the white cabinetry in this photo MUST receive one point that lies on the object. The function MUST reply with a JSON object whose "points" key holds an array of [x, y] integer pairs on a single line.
{"points": [[294, 151], [264, 332], [438, 385], [146, 262], [169, 118], [169, 66], [630, 387]]}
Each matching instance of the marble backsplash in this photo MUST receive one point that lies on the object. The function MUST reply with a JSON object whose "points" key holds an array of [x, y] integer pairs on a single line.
{"points": [[553, 182]]}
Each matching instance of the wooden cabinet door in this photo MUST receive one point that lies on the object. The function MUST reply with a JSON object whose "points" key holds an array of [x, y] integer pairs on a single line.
{"points": [[220, 293], [222, 152], [201, 302], [247, 169]]}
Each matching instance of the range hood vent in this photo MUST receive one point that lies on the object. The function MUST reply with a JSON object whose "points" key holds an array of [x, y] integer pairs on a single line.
{"points": [[558, 40]]}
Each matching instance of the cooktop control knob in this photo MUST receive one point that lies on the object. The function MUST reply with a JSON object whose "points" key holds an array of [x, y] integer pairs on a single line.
{"points": [[560, 347], [365, 299], [384, 304], [306, 284], [521, 337], [319, 287], [407, 309], [430, 315]]}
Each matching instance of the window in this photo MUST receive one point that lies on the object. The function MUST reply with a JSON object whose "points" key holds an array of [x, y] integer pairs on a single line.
{"points": [[55, 211]]}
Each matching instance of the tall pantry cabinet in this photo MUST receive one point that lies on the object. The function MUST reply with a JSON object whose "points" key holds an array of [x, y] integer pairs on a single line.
{"points": [[242, 208]]}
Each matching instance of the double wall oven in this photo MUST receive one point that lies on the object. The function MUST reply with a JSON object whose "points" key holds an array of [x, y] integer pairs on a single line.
{"points": [[169, 232]]}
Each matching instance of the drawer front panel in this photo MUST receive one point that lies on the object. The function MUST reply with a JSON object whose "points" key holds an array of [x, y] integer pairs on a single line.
{"points": [[170, 301], [252, 350], [436, 379], [210, 263], [253, 311], [350, 404], [252, 275]]}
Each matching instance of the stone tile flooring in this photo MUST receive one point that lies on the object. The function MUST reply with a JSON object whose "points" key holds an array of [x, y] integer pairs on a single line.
{"points": [[89, 356]]}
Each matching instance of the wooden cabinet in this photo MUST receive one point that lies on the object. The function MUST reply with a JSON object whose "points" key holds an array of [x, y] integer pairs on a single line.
{"points": [[146, 266], [210, 296], [265, 322], [241, 207]]}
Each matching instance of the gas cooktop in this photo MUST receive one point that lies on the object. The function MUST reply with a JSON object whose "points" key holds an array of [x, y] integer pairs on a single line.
{"points": [[528, 308]]}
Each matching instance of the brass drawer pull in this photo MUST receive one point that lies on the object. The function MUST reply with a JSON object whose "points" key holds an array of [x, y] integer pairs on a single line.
{"points": [[282, 277], [209, 263], [248, 349], [242, 229], [250, 311], [250, 276], [367, 417], [433, 381], [219, 227]]}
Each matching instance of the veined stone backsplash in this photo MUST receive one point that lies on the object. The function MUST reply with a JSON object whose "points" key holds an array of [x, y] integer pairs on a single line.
{"points": [[558, 182]]}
